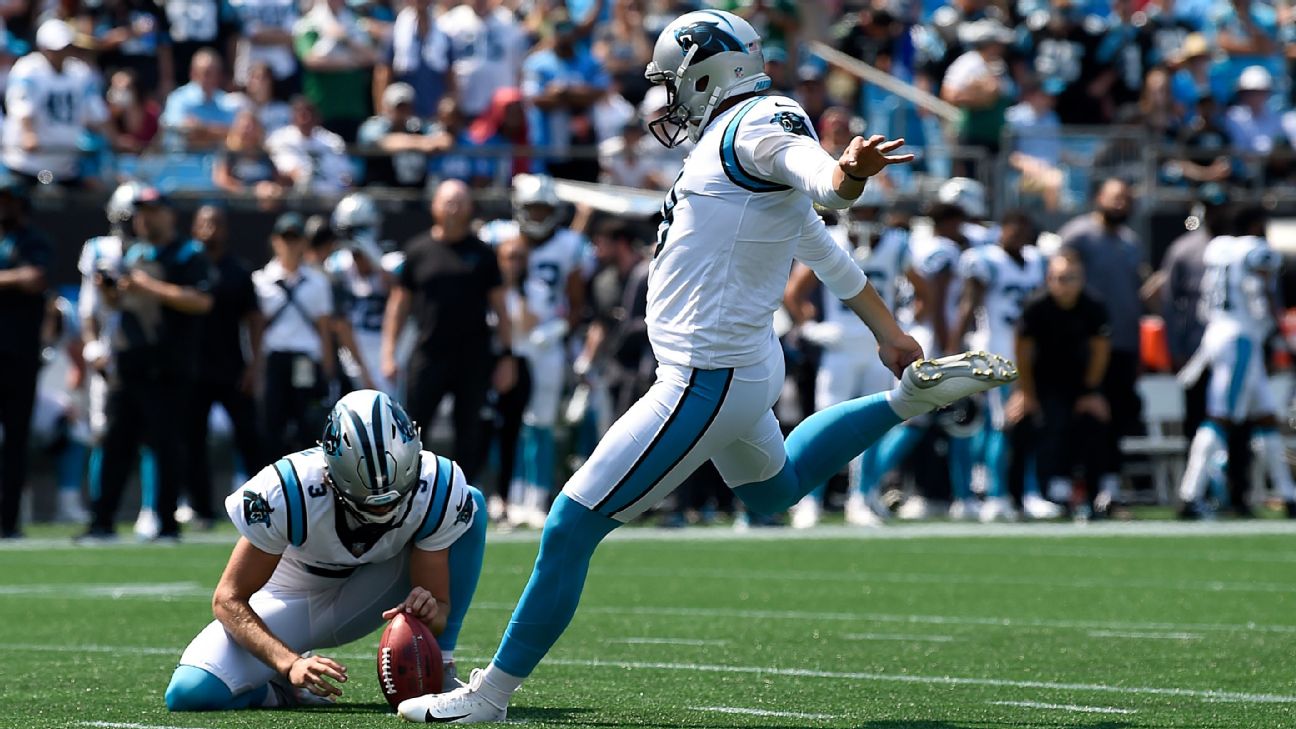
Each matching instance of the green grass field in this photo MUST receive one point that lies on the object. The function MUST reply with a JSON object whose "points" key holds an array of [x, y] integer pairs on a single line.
{"points": [[1050, 627]]}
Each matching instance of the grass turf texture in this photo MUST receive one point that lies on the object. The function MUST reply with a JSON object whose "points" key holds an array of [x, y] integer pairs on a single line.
{"points": [[924, 632]]}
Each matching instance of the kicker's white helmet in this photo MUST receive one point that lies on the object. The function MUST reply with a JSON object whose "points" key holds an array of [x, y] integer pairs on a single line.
{"points": [[703, 58], [357, 217], [532, 194], [121, 205], [373, 453], [966, 193]]}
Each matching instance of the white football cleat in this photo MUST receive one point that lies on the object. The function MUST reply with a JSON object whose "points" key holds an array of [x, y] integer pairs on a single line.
{"points": [[1036, 507], [965, 510], [462, 706], [147, 525], [805, 513], [858, 512], [997, 509], [916, 508], [935, 383]]}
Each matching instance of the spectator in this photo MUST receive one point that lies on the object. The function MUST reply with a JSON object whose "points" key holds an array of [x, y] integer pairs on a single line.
{"points": [[1243, 33], [562, 84], [623, 161], [243, 166], [224, 376], [450, 283], [503, 125], [1191, 80], [134, 118], [161, 293], [198, 24], [1157, 110], [296, 301], [450, 132], [776, 67], [338, 58], [1067, 50], [259, 96], [1037, 144], [1115, 267], [25, 258], [624, 48], [198, 115], [52, 101], [777, 22], [977, 82], [835, 132], [313, 157], [811, 91], [135, 35], [1058, 408], [266, 37], [1204, 154], [419, 55], [1254, 128], [487, 48], [399, 141]]}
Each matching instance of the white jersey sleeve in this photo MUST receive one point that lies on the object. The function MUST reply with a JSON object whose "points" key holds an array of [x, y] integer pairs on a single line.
{"points": [[259, 513], [974, 266], [831, 264], [778, 144], [941, 257], [455, 514]]}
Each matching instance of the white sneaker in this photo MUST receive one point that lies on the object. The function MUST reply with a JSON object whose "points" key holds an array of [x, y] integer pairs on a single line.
{"points": [[1036, 507], [965, 510], [805, 513], [146, 525], [461, 706], [495, 508], [935, 383], [70, 508], [997, 509], [914, 508], [858, 512], [184, 513]]}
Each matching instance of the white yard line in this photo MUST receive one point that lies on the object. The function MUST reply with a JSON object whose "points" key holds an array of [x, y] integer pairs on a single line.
{"points": [[130, 725], [127, 649], [668, 641], [787, 672], [113, 591], [1065, 707], [1141, 635], [899, 636], [760, 712]]}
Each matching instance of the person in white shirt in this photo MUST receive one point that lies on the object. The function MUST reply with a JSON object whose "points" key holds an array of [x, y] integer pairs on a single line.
{"points": [[737, 216], [51, 100], [266, 37], [1253, 125], [297, 341], [312, 156], [488, 45]]}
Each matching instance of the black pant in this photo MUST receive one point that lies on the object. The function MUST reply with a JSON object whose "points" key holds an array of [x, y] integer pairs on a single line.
{"points": [[247, 442], [509, 408], [142, 412], [466, 375], [294, 416], [17, 397], [1126, 408], [1064, 443]]}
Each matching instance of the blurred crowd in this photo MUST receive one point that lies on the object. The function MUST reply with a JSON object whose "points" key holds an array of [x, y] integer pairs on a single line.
{"points": [[327, 95]]}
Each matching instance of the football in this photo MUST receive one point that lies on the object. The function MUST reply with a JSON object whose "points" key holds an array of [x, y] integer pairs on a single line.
{"points": [[409, 660]]}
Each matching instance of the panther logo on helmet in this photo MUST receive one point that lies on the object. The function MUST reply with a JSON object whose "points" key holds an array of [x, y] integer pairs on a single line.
{"points": [[404, 425], [331, 441], [709, 39]]}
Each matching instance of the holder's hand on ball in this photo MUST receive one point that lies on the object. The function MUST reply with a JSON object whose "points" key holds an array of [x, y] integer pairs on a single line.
{"points": [[420, 605]]}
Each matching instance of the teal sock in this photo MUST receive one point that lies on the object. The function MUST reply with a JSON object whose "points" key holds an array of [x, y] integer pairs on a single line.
{"points": [[819, 447], [996, 457], [960, 467], [148, 480], [1031, 485], [94, 473]]}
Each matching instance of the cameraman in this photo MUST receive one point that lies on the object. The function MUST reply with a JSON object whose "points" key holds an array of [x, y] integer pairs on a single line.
{"points": [[160, 291]]}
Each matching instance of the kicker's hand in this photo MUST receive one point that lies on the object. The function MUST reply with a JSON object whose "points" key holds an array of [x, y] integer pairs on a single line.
{"points": [[900, 352], [420, 604], [312, 672], [867, 157]]}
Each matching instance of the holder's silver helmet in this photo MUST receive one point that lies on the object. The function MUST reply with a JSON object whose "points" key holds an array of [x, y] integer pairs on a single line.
{"points": [[703, 58], [373, 453], [532, 194]]}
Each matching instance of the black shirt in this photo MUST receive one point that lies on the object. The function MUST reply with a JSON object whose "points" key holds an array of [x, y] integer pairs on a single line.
{"points": [[620, 303], [154, 341], [233, 298], [450, 285], [21, 313], [1061, 338]]}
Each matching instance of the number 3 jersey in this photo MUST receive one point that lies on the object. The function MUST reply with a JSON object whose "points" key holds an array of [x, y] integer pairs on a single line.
{"points": [[1008, 282], [287, 509]]}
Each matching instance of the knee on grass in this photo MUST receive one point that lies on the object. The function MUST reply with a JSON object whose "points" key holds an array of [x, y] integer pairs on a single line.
{"points": [[193, 689]]}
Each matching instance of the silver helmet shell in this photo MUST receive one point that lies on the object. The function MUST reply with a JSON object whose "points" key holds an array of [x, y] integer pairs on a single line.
{"points": [[968, 194], [358, 218], [536, 191], [373, 451]]}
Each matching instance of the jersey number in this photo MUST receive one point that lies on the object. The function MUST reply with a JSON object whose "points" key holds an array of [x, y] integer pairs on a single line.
{"points": [[61, 107], [1015, 295], [549, 274], [316, 490], [668, 215], [370, 314]]}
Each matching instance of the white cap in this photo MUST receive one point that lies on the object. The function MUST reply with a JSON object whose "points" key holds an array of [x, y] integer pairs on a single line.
{"points": [[397, 94], [1255, 78], [54, 35]]}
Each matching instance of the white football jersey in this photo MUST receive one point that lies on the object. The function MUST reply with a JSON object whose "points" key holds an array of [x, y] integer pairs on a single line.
{"points": [[367, 295], [61, 104], [935, 255], [1007, 285], [287, 509], [727, 240], [1240, 273], [885, 264], [550, 263], [487, 52]]}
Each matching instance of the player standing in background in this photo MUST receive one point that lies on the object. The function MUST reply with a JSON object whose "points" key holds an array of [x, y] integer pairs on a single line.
{"points": [[51, 99], [555, 258], [100, 265], [1240, 305], [733, 222], [363, 276], [850, 367], [997, 279], [333, 541]]}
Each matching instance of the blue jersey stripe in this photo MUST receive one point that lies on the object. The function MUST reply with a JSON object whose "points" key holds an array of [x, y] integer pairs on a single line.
{"points": [[438, 502], [294, 500], [733, 169], [687, 423], [1240, 366]]}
